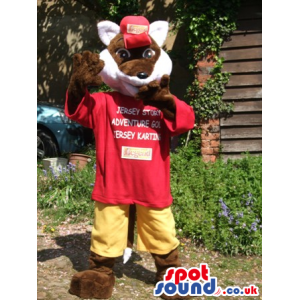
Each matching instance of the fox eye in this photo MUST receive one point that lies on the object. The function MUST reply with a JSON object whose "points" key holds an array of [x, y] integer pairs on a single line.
{"points": [[148, 53], [123, 53]]}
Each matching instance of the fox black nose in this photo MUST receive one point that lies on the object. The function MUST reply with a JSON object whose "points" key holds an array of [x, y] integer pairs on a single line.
{"points": [[142, 75]]}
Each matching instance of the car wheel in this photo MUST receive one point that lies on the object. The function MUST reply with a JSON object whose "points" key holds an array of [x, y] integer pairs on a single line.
{"points": [[46, 146]]}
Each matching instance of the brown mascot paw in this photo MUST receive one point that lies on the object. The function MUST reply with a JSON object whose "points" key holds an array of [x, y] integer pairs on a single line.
{"points": [[86, 69], [157, 94], [92, 284]]}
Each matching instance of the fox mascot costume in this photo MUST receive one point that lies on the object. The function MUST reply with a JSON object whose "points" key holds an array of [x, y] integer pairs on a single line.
{"points": [[132, 127]]}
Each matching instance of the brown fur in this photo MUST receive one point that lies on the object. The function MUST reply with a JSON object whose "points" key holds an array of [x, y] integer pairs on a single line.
{"points": [[154, 94], [162, 263], [97, 282], [165, 261], [158, 95], [135, 63], [91, 284], [86, 68], [131, 223]]}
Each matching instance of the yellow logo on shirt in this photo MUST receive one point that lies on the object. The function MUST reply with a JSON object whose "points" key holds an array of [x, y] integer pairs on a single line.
{"points": [[136, 153]]}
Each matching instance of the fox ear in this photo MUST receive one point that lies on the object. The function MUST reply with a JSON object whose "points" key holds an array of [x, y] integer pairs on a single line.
{"points": [[158, 31], [107, 30]]}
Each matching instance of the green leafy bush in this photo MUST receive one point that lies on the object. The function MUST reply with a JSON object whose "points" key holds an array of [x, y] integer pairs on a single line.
{"points": [[67, 189], [218, 204]]}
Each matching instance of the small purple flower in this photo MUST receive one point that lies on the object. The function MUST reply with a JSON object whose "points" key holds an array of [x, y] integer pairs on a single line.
{"points": [[237, 223], [45, 173], [219, 215], [66, 178], [52, 170], [92, 184], [224, 206], [213, 227], [240, 215], [224, 213], [230, 229], [244, 225], [225, 209], [249, 195], [72, 166], [95, 166], [253, 226]]}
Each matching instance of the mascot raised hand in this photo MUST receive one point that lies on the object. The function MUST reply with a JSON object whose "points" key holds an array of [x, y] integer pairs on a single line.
{"points": [[132, 126]]}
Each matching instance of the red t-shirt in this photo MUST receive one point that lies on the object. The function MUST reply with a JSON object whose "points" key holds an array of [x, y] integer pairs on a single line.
{"points": [[132, 147]]}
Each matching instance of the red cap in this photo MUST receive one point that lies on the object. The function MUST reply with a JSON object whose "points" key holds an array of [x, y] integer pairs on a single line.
{"points": [[135, 31]]}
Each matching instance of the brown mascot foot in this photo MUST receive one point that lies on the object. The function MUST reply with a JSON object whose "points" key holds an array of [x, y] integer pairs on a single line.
{"points": [[162, 263], [97, 282], [92, 284]]}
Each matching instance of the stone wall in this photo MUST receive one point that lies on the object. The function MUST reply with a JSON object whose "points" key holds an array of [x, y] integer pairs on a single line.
{"points": [[63, 28]]}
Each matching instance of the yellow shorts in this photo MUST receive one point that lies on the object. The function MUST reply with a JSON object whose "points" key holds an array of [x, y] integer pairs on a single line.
{"points": [[155, 230]]}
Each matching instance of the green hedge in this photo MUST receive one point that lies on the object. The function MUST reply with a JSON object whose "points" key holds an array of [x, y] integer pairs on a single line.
{"points": [[218, 204]]}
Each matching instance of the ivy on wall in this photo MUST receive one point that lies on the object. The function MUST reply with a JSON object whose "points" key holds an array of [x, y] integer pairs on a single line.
{"points": [[207, 23], [207, 100]]}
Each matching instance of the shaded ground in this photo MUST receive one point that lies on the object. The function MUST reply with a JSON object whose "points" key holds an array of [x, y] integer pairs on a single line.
{"points": [[62, 253]]}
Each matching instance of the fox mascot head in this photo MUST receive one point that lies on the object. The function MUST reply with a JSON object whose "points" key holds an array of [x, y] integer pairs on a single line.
{"points": [[133, 56]]}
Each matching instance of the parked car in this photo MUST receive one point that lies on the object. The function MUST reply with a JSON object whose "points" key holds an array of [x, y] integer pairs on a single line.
{"points": [[57, 134]]}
